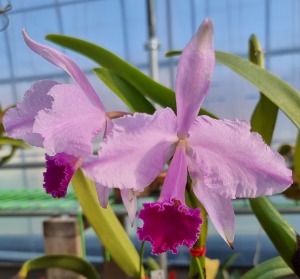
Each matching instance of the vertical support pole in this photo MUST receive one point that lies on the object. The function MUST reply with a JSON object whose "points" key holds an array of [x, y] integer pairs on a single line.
{"points": [[62, 236], [152, 45]]}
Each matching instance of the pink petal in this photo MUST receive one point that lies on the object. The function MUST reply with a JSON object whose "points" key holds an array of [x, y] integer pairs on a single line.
{"points": [[129, 199], [233, 162], [168, 225], [103, 194], [176, 178], [194, 73], [135, 151], [59, 171], [71, 124], [18, 121], [219, 210], [66, 63]]}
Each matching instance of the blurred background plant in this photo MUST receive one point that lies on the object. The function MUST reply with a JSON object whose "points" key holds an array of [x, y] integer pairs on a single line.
{"points": [[8, 146]]}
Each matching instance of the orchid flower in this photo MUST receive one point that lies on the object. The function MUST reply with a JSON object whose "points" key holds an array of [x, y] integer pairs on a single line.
{"points": [[62, 118], [224, 159]]}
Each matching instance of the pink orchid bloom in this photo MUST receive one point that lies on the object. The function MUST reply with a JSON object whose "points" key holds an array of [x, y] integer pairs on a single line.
{"points": [[62, 118], [224, 159]]}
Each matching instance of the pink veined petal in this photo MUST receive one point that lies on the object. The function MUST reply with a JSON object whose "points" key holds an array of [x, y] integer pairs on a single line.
{"points": [[176, 178], [234, 162], [72, 122], [168, 222], [18, 121], [60, 169], [194, 74], [168, 225], [135, 151], [219, 210], [129, 199], [103, 194], [67, 64]]}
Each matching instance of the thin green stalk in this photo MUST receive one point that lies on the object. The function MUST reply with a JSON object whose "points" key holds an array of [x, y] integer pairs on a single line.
{"points": [[141, 254]]}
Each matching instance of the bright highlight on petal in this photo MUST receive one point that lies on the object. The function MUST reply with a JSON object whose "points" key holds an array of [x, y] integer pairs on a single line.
{"points": [[168, 225], [59, 171]]}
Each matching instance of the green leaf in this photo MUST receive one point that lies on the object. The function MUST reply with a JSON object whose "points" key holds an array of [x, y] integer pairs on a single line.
{"points": [[230, 260], [13, 142], [2, 113], [297, 159], [278, 230], [141, 82], [270, 269], [106, 226], [263, 121], [278, 91], [6, 158], [68, 262], [125, 91], [265, 113], [144, 84], [173, 53]]}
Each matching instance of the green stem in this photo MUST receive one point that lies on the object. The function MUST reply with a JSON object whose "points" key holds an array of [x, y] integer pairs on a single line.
{"points": [[141, 254], [197, 262]]}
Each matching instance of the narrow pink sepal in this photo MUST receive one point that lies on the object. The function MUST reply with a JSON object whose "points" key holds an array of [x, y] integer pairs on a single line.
{"points": [[60, 169], [130, 202], [103, 194], [67, 64], [135, 151], [18, 121], [168, 225], [233, 161], [219, 210], [71, 124], [194, 75], [176, 178]]}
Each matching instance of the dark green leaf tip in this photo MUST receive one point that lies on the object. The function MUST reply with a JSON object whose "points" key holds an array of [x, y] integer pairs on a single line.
{"points": [[296, 258]]}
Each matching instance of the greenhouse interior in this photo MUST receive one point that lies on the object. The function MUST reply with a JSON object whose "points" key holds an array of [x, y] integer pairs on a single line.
{"points": [[152, 139]]}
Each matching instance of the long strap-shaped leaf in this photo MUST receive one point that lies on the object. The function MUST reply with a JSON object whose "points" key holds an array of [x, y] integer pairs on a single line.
{"points": [[126, 92], [110, 61], [265, 113], [278, 91], [106, 225], [270, 269], [297, 158], [142, 83], [14, 144], [68, 262], [278, 230]]}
